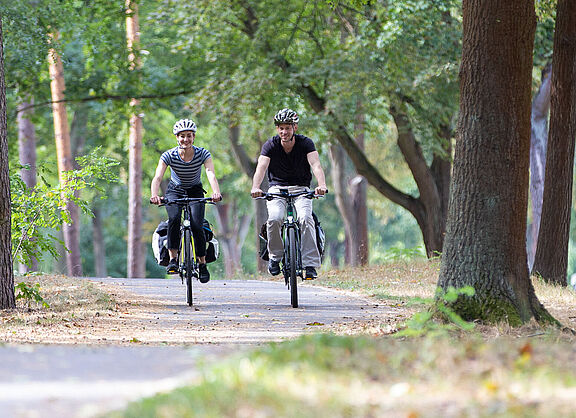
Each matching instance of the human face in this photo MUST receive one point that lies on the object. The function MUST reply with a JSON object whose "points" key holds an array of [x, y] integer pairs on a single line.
{"points": [[185, 139], [286, 131]]}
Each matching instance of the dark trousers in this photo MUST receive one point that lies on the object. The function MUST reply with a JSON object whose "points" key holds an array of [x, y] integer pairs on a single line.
{"points": [[175, 215]]}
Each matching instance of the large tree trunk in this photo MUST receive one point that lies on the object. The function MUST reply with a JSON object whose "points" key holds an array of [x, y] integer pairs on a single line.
{"points": [[62, 137], [136, 248], [551, 259], [27, 154], [485, 245], [7, 297]]}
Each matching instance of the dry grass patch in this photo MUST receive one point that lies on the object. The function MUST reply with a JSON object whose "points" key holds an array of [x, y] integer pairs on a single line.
{"points": [[72, 303], [412, 286]]}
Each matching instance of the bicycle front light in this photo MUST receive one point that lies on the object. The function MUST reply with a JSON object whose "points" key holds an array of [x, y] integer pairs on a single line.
{"points": [[186, 222]]}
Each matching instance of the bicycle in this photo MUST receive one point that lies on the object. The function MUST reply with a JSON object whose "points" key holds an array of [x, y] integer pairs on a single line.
{"points": [[292, 259], [187, 262]]}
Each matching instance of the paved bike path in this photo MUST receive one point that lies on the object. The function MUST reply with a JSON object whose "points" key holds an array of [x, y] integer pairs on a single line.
{"points": [[227, 316], [244, 311]]}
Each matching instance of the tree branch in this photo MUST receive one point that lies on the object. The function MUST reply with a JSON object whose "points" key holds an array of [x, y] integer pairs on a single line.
{"points": [[121, 97]]}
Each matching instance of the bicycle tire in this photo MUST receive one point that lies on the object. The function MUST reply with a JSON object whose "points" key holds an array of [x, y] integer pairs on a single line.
{"points": [[188, 265], [293, 266]]}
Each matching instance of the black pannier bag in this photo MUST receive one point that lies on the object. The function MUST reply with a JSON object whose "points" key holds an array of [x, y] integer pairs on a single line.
{"points": [[212, 246], [160, 242], [320, 236], [320, 239], [263, 251]]}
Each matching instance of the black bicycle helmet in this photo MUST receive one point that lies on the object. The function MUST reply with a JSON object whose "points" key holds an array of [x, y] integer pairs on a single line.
{"points": [[183, 125], [286, 116]]}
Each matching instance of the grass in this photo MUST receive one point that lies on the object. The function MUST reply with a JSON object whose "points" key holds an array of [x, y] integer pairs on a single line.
{"points": [[336, 376], [68, 299], [491, 371]]}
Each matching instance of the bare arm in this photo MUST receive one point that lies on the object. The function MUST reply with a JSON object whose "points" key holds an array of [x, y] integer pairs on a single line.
{"points": [[259, 173], [211, 175], [155, 186], [314, 161]]}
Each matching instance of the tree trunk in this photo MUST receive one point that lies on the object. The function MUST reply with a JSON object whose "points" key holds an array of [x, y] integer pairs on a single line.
{"points": [[485, 244], [538, 142], [343, 200], [248, 166], [98, 245], [7, 297], [136, 248], [27, 154], [232, 233], [62, 136], [358, 193], [551, 260]]}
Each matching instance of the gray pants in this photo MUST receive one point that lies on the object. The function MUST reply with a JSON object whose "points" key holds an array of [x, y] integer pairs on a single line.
{"points": [[276, 214]]}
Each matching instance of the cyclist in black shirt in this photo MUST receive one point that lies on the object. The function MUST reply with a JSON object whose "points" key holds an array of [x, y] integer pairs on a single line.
{"points": [[290, 159]]}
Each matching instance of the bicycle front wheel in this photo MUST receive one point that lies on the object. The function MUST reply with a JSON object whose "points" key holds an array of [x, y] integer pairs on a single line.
{"points": [[293, 266], [188, 265]]}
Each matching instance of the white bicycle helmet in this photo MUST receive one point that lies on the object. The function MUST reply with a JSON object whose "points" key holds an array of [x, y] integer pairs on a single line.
{"points": [[286, 116], [184, 125]]}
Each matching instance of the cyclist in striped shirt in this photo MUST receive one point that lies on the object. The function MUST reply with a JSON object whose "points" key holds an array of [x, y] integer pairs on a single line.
{"points": [[185, 162]]}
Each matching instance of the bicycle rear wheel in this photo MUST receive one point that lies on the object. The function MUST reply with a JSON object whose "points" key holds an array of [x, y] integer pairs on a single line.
{"points": [[292, 266], [188, 265]]}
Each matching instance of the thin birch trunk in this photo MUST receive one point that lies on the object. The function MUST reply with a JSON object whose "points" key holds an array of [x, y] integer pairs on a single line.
{"points": [[136, 248], [63, 152]]}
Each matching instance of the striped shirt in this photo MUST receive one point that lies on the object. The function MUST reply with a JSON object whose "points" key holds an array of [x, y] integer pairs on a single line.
{"points": [[185, 174]]}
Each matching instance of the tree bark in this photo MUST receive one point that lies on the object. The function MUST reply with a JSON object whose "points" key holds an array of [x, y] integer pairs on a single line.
{"points": [[358, 193], [99, 246], [538, 143], [248, 166], [551, 260], [232, 233], [27, 154], [485, 245], [7, 297], [65, 163], [136, 257]]}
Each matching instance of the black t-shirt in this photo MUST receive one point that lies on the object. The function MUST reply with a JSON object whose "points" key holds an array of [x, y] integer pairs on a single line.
{"points": [[290, 169]]}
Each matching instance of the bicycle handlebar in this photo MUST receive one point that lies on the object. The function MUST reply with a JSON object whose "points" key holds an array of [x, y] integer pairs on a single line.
{"points": [[308, 194], [185, 200]]}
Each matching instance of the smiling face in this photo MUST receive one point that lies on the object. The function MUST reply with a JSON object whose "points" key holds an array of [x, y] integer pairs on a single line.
{"points": [[185, 139], [286, 131]]}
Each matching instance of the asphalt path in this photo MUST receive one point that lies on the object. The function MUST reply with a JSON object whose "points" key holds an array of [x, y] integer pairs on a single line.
{"points": [[227, 316]]}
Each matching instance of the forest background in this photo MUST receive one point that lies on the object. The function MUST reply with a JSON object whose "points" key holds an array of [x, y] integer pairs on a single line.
{"points": [[376, 86]]}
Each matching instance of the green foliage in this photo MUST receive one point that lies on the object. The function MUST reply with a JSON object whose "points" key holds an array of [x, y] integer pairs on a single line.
{"points": [[426, 322], [30, 293], [42, 209], [394, 254]]}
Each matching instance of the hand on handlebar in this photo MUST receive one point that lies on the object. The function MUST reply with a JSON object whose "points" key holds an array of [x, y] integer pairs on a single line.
{"points": [[257, 192], [156, 200], [216, 197], [321, 191]]}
